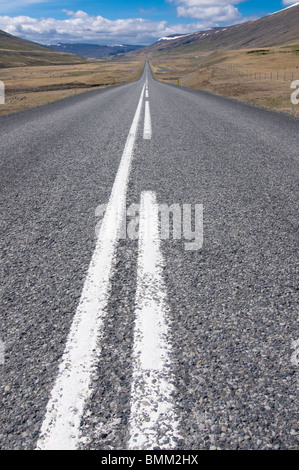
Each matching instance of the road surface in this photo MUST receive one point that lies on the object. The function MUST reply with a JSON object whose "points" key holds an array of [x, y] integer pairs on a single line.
{"points": [[134, 339]]}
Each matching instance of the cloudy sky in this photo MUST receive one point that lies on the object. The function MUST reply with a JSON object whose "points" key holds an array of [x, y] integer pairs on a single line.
{"points": [[124, 22]]}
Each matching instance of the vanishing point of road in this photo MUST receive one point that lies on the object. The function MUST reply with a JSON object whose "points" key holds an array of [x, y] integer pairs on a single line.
{"points": [[116, 337]]}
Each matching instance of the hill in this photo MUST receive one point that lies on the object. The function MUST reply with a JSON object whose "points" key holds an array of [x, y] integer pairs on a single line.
{"points": [[17, 52], [275, 29], [94, 51], [256, 61]]}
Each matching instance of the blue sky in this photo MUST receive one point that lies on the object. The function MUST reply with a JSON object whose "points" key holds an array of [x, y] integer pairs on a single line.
{"points": [[124, 22]]}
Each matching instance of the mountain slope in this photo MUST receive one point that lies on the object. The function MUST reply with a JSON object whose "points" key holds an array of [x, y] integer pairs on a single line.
{"points": [[17, 52], [277, 28], [94, 51]]}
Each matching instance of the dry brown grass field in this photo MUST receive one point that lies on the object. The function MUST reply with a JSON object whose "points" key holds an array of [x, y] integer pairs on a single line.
{"points": [[27, 87], [259, 76]]}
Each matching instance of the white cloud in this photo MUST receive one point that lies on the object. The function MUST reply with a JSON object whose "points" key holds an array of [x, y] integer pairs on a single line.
{"points": [[216, 11], [290, 2], [225, 13], [81, 27], [206, 3]]}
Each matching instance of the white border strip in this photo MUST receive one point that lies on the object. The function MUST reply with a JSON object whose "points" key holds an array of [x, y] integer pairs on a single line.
{"points": [[61, 427], [153, 422]]}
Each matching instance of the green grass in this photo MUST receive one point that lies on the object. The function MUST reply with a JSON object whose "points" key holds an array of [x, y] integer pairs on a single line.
{"points": [[292, 46], [24, 59], [259, 51]]}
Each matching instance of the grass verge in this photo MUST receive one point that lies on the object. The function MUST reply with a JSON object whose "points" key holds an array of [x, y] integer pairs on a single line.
{"points": [[28, 87], [261, 76]]}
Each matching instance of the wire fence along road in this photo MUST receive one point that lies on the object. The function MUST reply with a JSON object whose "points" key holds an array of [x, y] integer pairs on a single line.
{"points": [[277, 75]]}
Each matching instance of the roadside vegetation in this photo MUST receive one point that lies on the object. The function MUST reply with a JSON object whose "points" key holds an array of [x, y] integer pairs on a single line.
{"points": [[30, 86], [261, 76]]}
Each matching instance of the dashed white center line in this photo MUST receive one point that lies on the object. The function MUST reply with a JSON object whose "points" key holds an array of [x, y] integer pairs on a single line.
{"points": [[153, 422], [61, 426], [147, 131]]}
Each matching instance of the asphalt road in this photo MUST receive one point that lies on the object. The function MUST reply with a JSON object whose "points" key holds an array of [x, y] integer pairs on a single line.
{"points": [[226, 311]]}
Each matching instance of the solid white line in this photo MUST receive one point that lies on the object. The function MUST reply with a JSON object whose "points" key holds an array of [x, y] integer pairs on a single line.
{"points": [[153, 421], [61, 426], [147, 130]]}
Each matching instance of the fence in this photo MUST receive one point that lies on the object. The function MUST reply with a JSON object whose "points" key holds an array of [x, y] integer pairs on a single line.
{"points": [[277, 75]]}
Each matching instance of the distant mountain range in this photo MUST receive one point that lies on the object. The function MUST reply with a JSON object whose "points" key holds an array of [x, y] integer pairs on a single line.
{"points": [[278, 28], [17, 52], [94, 51]]}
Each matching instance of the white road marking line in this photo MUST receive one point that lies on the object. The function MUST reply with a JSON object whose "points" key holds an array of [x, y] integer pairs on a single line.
{"points": [[147, 130], [153, 421], [146, 92], [61, 426]]}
